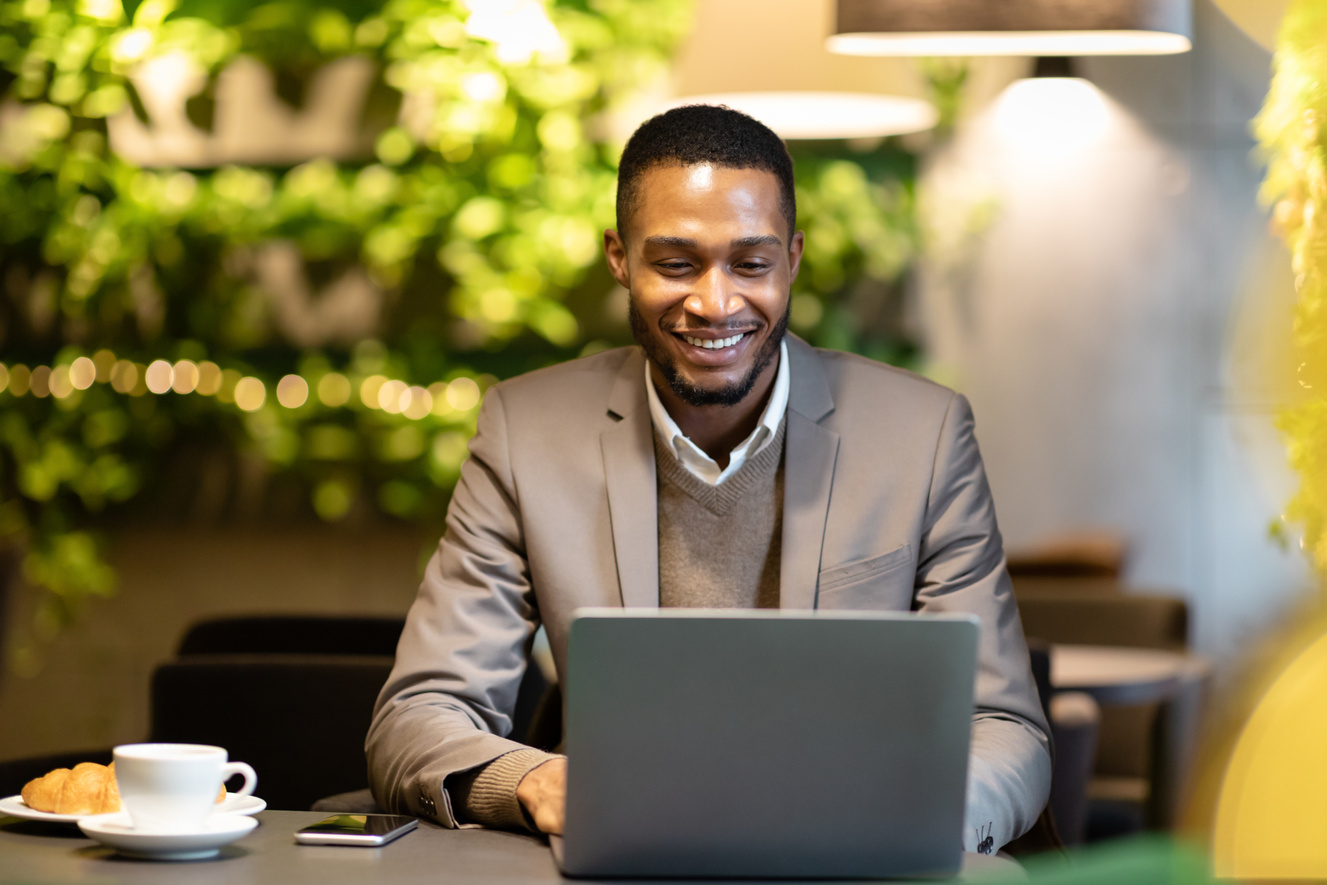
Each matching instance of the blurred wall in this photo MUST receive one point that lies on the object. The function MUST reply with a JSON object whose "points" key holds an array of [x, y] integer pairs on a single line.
{"points": [[1108, 324], [93, 689]]}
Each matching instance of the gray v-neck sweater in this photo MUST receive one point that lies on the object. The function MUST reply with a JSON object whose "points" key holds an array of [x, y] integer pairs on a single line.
{"points": [[719, 546]]}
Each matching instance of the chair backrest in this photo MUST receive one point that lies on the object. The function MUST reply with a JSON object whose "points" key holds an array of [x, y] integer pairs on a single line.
{"points": [[1105, 618], [294, 634], [299, 720]]}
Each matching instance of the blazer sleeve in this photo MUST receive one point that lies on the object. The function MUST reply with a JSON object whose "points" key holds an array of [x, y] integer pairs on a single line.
{"points": [[961, 568], [447, 704]]}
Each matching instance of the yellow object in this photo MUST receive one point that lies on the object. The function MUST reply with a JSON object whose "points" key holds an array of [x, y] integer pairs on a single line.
{"points": [[1272, 816]]}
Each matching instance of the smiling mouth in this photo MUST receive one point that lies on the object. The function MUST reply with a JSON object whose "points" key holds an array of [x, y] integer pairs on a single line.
{"points": [[713, 343]]}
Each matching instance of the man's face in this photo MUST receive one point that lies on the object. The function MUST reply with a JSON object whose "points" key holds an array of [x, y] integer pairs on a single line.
{"points": [[709, 265]]}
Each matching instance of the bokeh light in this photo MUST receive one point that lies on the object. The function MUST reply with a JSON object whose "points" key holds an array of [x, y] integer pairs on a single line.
{"points": [[61, 386], [124, 375], [334, 390], [292, 391], [158, 376], [391, 395], [463, 394], [438, 392], [209, 378], [419, 403], [250, 394], [19, 378], [368, 390], [40, 382], [185, 377], [82, 373]]}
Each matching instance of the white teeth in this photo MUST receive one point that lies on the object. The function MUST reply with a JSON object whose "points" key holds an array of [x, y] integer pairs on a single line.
{"points": [[713, 343]]}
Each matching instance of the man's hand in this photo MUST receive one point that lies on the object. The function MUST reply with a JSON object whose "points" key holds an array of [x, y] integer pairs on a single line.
{"points": [[543, 794]]}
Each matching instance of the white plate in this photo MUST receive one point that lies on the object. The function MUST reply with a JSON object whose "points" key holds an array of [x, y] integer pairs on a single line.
{"points": [[15, 805], [117, 830]]}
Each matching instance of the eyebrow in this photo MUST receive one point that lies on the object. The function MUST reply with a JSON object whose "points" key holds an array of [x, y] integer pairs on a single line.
{"points": [[742, 243]]}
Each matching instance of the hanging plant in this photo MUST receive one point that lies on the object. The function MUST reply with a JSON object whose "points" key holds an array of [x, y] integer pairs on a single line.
{"points": [[1292, 129]]}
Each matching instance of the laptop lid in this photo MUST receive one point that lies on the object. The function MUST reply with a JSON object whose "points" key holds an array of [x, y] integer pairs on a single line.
{"points": [[766, 744]]}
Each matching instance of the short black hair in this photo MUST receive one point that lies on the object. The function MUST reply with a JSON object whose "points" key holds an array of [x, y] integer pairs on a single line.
{"points": [[700, 133]]}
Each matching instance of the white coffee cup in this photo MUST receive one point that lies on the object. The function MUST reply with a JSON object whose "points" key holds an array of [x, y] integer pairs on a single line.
{"points": [[172, 788]]}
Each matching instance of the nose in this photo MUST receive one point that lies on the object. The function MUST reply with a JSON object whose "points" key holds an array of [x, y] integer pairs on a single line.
{"points": [[714, 298]]}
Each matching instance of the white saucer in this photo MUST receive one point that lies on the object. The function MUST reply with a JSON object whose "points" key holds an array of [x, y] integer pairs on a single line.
{"points": [[232, 804], [236, 804], [117, 830]]}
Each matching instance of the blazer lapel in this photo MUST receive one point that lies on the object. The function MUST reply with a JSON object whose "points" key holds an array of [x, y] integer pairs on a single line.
{"points": [[808, 475], [628, 449]]}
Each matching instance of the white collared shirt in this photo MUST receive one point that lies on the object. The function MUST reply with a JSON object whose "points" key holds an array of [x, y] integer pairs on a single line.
{"points": [[701, 465]]}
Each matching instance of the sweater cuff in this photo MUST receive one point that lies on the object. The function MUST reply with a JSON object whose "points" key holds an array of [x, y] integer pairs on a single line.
{"points": [[487, 795]]}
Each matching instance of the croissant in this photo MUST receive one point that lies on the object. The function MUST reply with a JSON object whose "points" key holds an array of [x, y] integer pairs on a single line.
{"points": [[87, 788]]}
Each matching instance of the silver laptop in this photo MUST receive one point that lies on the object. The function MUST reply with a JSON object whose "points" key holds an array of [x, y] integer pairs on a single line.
{"points": [[766, 744]]}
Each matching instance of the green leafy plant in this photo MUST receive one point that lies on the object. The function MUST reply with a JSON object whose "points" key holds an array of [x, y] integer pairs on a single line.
{"points": [[172, 330]]}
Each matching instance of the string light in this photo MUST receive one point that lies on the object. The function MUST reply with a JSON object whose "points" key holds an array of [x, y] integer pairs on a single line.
{"points": [[209, 378], [124, 375], [334, 390], [82, 372], [390, 396], [250, 394], [184, 377], [61, 386], [440, 399], [420, 403], [292, 391], [368, 390], [40, 382], [158, 376], [463, 394], [19, 378]]}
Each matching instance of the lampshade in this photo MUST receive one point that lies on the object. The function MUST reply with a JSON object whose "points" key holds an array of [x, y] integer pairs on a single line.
{"points": [[780, 73], [1011, 27]]}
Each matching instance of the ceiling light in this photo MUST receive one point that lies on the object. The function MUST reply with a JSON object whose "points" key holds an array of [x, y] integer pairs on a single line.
{"points": [[1011, 27], [1053, 111]]}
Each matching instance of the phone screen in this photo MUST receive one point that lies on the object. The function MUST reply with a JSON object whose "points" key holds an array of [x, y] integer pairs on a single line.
{"points": [[356, 829]]}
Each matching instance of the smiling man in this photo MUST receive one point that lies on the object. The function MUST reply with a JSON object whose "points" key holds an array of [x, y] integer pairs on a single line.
{"points": [[719, 464]]}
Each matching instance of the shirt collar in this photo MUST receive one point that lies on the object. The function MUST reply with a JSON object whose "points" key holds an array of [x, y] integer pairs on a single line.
{"points": [[689, 453]]}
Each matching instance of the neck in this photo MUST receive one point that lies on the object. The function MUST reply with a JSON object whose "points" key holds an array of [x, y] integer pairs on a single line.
{"points": [[717, 430]]}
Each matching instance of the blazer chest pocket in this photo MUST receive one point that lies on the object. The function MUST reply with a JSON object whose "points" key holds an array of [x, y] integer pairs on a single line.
{"points": [[881, 582]]}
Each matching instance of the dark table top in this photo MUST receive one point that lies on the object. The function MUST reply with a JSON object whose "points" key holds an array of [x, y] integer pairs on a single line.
{"points": [[33, 852]]}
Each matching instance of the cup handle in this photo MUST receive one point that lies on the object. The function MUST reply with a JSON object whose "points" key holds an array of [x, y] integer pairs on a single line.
{"points": [[230, 769]]}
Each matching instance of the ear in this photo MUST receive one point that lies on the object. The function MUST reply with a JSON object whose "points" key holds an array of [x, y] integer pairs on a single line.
{"points": [[795, 254], [615, 251]]}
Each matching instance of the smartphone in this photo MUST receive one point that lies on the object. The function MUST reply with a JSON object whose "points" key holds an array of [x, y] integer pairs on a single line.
{"points": [[356, 829]]}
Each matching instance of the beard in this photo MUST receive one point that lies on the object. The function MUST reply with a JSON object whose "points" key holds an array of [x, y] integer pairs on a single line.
{"points": [[692, 394]]}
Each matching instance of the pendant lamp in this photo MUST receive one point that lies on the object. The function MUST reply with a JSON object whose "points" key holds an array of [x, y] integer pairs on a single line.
{"points": [[1011, 27]]}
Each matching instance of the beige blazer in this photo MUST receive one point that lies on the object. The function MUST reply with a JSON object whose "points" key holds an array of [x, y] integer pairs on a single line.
{"points": [[886, 506]]}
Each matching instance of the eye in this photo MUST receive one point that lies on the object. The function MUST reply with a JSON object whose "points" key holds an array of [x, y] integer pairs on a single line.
{"points": [[672, 265]]}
